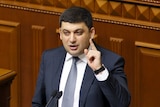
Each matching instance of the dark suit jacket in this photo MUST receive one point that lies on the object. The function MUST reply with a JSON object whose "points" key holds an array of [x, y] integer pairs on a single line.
{"points": [[112, 92]]}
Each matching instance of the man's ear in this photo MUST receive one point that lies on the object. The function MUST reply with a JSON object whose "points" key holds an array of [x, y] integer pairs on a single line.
{"points": [[92, 32], [60, 35]]}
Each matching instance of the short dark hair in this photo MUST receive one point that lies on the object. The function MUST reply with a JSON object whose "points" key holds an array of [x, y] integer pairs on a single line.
{"points": [[75, 15]]}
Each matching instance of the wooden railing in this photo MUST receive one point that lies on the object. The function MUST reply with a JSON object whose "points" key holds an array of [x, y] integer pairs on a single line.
{"points": [[6, 77]]}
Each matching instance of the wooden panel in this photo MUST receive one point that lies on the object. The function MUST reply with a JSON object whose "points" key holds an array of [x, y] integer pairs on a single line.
{"points": [[147, 75], [10, 54], [132, 9], [89, 4], [38, 47], [74, 3], [116, 45]]}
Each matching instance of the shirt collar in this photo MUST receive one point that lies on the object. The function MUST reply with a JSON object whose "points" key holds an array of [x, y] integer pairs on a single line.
{"points": [[68, 56], [82, 57]]}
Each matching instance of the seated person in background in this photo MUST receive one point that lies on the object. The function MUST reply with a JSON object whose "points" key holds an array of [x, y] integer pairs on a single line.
{"points": [[99, 81]]}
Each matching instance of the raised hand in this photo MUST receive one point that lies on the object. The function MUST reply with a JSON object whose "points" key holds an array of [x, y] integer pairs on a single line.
{"points": [[93, 56]]}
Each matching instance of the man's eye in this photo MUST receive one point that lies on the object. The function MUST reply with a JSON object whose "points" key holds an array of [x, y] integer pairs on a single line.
{"points": [[79, 33], [66, 33]]}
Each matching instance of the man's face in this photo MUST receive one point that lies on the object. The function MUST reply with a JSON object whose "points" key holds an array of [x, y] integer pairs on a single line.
{"points": [[75, 37]]}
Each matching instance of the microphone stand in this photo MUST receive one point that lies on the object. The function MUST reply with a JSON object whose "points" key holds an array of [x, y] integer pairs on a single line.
{"points": [[55, 96]]}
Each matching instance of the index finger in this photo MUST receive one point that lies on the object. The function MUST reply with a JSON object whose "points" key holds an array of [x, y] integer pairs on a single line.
{"points": [[93, 47]]}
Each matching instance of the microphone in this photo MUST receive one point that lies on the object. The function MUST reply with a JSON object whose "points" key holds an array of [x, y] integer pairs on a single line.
{"points": [[58, 95], [52, 96], [55, 95]]}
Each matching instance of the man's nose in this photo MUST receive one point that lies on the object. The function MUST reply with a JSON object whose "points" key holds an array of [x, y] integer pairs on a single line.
{"points": [[72, 37]]}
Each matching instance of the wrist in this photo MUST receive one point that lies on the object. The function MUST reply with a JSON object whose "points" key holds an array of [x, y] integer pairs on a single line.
{"points": [[102, 68]]}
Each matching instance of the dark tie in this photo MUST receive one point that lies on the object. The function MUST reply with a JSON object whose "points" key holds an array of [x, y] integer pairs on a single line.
{"points": [[68, 97]]}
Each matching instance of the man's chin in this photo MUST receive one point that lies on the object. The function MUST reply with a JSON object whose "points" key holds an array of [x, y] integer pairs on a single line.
{"points": [[74, 53]]}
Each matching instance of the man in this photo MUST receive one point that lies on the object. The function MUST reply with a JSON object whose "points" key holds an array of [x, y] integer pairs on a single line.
{"points": [[101, 81]]}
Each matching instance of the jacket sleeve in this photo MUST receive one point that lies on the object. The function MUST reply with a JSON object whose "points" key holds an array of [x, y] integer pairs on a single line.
{"points": [[115, 88]]}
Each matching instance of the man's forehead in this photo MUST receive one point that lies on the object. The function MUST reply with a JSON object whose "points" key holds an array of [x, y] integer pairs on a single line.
{"points": [[73, 26]]}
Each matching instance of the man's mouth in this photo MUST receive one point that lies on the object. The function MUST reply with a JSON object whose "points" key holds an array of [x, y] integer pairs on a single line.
{"points": [[73, 47]]}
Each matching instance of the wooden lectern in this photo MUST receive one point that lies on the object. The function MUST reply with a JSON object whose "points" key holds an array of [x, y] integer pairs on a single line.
{"points": [[6, 77]]}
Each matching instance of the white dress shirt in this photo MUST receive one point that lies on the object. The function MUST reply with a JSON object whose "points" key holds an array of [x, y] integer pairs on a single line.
{"points": [[81, 66]]}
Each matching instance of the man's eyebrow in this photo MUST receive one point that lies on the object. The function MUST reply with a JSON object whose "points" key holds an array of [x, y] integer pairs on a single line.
{"points": [[65, 30], [74, 30], [79, 29]]}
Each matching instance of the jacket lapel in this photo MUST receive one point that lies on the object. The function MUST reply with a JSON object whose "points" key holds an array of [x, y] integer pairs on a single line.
{"points": [[58, 69], [86, 84]]}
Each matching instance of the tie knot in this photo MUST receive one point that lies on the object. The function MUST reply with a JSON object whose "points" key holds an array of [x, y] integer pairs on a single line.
{"points": [[75, 59]]}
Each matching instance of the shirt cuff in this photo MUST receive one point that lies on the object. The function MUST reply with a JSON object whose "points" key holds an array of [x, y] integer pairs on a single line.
{"points": [[102, 76]]}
